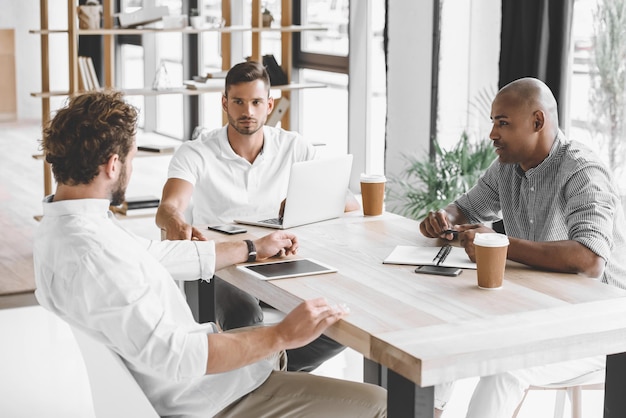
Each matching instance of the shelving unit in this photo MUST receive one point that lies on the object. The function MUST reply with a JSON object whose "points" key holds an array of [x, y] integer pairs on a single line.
{"points": [[108, 32]]}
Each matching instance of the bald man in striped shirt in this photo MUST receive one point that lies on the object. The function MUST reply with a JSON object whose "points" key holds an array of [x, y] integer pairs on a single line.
{"points": [[561, 212]]}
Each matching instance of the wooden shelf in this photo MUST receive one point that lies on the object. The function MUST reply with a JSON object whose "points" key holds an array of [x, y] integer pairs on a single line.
{"points": [[187, 30], [209, 88], [254, 28]]}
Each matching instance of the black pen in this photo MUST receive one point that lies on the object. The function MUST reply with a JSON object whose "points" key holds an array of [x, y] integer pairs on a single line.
{"points": [[454, 232], [442, 254]]}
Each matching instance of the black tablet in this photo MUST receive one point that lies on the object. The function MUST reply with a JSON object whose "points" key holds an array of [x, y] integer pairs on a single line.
{"points": [[287, 268]]}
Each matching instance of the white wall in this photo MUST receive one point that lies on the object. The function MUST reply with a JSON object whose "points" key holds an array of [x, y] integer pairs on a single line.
{"points": [[23, 16]]}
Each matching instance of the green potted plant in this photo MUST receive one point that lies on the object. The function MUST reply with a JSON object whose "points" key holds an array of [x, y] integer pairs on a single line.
{"points": [[427, 185]]}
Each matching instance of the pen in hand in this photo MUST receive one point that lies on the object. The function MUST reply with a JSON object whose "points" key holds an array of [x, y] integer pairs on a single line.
{"points": [[454, 232]]}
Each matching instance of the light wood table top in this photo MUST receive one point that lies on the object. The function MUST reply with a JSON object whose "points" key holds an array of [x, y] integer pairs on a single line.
{"points": [[433, 329]]}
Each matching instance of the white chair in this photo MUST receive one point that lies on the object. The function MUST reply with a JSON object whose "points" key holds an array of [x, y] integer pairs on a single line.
{"points": [[114, 391], [573, 389]]}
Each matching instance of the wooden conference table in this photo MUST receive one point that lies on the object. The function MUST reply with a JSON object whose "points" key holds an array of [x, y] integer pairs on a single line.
{"points": [[421, 330]]}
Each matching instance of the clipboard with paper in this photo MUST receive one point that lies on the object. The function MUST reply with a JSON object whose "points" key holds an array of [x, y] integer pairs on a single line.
{"points": [[429, 256]]}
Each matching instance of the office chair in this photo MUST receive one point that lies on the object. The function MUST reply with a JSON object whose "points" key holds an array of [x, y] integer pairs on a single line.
{"points": [[114, 391], [573, 389]]}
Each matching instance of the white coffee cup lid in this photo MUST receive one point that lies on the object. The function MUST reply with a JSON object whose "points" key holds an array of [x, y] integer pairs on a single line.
{"points": [[490, 239], [373, 178]]}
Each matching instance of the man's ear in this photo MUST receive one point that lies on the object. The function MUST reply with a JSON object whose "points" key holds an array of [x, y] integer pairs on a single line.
{"points": [[539, 120], [270, 104], [224, 102], [110, 167]]}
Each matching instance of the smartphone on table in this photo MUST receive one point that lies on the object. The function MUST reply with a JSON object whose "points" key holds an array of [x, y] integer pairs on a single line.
{"points": [[439, 270], [228, 229]]}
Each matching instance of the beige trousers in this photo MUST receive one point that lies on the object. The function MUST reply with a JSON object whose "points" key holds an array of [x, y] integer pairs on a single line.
{"points": [[303, 395]]}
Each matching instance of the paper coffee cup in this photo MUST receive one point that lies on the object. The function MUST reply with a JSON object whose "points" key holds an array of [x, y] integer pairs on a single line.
{"points": [[373, 193], [491, 250]]}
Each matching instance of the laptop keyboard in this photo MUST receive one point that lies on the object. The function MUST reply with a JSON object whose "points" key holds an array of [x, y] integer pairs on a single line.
{"points": [[273, 221]]}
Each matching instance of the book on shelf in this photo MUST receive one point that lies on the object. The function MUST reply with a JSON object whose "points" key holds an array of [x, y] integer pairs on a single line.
{"points": [[157, 148], [87, 80], [92, 73], [203, 79]]}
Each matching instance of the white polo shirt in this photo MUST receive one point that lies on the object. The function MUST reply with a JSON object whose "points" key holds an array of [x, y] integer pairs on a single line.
{"points": [[226, 185]]}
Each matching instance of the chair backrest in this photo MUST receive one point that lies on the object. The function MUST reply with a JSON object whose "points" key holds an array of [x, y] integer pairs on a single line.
{"points": [[114, 391], [589, 379]]}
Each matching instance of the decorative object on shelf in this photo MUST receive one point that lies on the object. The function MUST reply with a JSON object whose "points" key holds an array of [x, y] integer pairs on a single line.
{"points": [[143, 16], [267, 18], [90, 15], [175, 22], [215, 21], [161, 78], [281, 104], [276, 73], [195, 20]]}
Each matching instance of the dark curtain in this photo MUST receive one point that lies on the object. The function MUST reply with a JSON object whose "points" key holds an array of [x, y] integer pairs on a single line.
{"points": [[535, 42]]}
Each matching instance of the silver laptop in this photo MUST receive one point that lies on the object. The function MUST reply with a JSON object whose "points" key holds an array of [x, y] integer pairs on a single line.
{"points": [[316, 192]]}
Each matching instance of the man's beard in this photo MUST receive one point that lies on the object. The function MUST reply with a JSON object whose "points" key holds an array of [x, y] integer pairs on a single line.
{"points": [[119, 192], [245, 130]]}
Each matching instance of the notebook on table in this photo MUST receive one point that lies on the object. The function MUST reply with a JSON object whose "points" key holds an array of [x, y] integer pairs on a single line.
{"points": [[430, 256], [316, 192]]}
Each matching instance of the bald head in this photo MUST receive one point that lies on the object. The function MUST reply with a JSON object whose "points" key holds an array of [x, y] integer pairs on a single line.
{"points": [[532, 95]]}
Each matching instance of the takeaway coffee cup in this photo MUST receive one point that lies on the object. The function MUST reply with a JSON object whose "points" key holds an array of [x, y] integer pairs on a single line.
{"points": [[491, 252], [373, 193]]}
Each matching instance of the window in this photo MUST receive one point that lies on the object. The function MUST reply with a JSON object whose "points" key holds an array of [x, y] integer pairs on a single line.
{"points": [[597, 81], [468, 69], [323, 56]]}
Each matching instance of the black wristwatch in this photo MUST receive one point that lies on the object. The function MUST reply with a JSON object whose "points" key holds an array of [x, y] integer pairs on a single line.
{"points": [[251, 251]]}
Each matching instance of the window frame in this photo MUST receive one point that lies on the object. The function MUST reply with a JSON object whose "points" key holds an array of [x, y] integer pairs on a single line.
{"points": [[311, 60]]}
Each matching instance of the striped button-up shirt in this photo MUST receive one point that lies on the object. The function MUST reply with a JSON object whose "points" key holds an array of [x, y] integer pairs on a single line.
{"points": [[569, 196]]}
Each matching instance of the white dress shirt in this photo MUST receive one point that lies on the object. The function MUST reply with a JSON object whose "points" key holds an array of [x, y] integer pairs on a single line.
{"points": [[119, 288], [227, 186]]}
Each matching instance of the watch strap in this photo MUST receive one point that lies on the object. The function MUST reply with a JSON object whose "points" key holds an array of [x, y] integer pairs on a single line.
{"points": [[251, 250]]}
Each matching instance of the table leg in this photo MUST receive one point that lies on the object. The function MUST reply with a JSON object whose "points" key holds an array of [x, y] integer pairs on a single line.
{"points": [[404, 398], [614, 399], [374, 373], [201, 299]]}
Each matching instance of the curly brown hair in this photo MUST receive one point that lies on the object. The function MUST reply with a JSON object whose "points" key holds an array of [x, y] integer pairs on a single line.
{"points": [[86, 133]]}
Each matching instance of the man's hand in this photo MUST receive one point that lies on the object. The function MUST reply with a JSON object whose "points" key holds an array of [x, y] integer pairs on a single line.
{"points": [[276, 243], [183, 231], [232, 350], [307, 322], [435, 223], [466, 237]]}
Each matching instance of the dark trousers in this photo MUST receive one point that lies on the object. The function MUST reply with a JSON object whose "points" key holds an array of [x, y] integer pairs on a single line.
{"points": [[235, 308]]}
